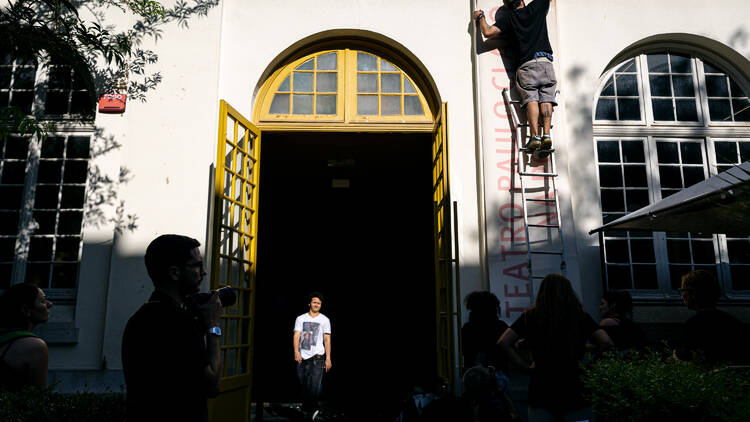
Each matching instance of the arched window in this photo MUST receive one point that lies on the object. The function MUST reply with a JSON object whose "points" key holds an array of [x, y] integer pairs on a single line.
{"points": [[346, 86], [43, 181], [664, 121]]}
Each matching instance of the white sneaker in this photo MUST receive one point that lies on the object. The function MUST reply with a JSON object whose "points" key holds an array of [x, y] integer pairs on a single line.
{"points": [[315, 415]]}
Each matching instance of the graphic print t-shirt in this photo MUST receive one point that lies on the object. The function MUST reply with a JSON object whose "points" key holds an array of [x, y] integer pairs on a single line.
{"points": [[311, 334]]}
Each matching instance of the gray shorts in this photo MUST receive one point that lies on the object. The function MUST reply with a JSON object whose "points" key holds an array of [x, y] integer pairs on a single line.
{"points": [[536, 81]]}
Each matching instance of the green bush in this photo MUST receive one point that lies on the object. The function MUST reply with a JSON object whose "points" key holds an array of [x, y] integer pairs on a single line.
{"points": [[654, 386], [44, 405]]}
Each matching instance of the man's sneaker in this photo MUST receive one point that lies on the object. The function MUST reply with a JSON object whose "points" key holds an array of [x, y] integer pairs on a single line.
{"points": [[315, 415], [534, 144], [546, 142]]}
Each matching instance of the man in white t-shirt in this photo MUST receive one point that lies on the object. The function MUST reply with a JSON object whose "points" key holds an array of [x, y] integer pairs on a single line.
{"points": [[312, 351]]}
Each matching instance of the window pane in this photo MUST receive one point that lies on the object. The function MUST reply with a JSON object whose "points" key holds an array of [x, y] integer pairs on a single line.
{"points": [[385, 66], [53, 147], [80, 103], [662, 110], [78, 147], [635, 176], [644, 277], [720, 110], [408, 87], [609, 87], [667, 152], [657, 63], [14, 172], [628, 66], [10, 197], [284, 85], [302, 104], [605, 109], [710, 68], [75, 172], [692, 175], [670, 177], [612, 200], [726, 152], [8, 222], [24, 78], [67, 248], [326, 82], [740, 277], [366, 62], [367, 82], [57, 102], [636, 199], [302, 82], [16, 147], [608, 151], [327, 61], [632, 152], [49, 171], [618, 277], [629, 108], [23, 100], [412, 105], [46, 197], [367, 104], [45, 221], [610, 176], [325, 104], [744, 151], [660, 86], [675, 274], [741, 110], [308, 65], [390, 105], [280, 104], [627, 85], [59, 77], [686, 111], [70, 222], [7, 248], [683, 86], [691, 153], [678, 251], [716, 86], [680, 64], [40, 249], [72, 197], [64, 276], [390, 82], [617, 251], [703, 252], [38, 274]]}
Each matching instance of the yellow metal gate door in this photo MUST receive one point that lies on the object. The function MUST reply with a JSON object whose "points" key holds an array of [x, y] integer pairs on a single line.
{"points": [[234, 240], [443, 268]]}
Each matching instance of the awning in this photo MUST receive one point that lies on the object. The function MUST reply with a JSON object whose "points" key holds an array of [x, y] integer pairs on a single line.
{"points": [[720, 204]]}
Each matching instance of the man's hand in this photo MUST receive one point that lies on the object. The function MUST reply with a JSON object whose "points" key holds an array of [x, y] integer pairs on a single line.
{"points": [[297, 357], [478, 13], [211, 310], [328, 365]]}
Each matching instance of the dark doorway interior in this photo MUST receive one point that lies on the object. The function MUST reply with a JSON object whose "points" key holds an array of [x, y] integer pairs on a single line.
{"points": [[348, 215]]}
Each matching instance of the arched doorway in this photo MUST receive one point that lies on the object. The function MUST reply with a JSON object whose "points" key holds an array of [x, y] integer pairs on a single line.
{"points": [[354, 204]]}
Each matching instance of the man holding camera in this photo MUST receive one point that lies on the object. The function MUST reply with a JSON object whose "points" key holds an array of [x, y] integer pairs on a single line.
{"points": [[312, 351], [170, 348]]}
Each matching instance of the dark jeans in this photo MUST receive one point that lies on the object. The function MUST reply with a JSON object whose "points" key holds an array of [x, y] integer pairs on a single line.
{"points": [[310, 374]]}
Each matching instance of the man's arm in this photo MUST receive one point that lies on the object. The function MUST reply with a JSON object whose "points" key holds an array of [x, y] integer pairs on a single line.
{"points": [[602, 340], [327, 343], [295, 344], [212, 372], [487, 30]]}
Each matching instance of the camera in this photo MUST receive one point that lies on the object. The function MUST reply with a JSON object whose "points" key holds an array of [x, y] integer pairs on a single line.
{"points": [[227, 296]]}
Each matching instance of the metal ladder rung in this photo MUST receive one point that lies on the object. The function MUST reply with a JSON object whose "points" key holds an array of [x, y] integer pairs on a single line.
{"points": [[540, 200], [555, 226], [545, 253], [523, 173], [527, 151]]}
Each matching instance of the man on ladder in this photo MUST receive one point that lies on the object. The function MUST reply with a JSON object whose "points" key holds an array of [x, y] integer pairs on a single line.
{"points": [[535, 77]]}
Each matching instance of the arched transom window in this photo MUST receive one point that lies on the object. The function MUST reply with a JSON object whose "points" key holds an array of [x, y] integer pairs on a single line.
{"points": [[664, 121], [348, 86]]}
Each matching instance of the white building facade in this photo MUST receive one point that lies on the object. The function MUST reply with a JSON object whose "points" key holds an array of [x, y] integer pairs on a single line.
{"points": [[351, 100]]}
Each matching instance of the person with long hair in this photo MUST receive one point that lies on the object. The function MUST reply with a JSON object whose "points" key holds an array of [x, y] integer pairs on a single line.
{"points": [[555, 330], [616, 310], [479, 335], [23, 355]]}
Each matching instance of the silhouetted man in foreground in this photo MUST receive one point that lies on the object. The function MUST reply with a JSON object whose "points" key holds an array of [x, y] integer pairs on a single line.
{"points": [[170, 348], [535, 77]]}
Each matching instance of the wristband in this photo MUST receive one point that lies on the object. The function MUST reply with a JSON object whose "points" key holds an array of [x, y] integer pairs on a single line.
{"points": [[480, 16]]}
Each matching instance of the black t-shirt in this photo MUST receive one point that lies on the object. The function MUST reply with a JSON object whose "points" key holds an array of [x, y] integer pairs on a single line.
{"points": [[529, 25], [479, 344], [716, 335], [163, 359], [555, 382]]}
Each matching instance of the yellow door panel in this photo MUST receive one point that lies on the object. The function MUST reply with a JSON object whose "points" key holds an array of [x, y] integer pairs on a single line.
{"points": [[234, 251]]}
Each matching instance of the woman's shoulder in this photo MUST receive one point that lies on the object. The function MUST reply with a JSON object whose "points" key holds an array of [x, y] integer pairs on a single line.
{"points": [[609, 322], [30, 347]]}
